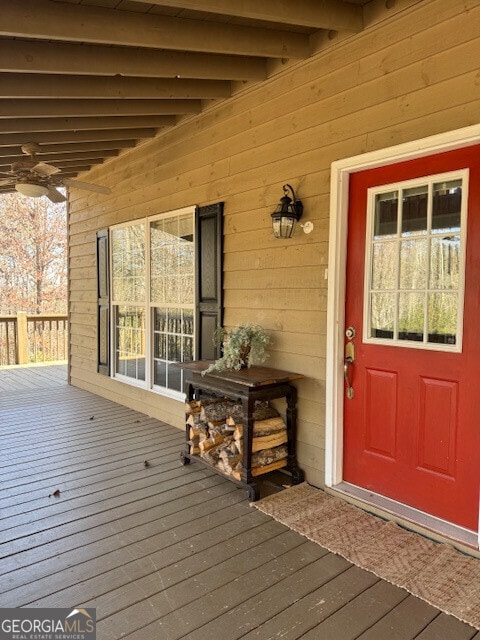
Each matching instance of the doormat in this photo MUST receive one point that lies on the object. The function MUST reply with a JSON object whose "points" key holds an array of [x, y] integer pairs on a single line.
{"points": [[432, 571]]}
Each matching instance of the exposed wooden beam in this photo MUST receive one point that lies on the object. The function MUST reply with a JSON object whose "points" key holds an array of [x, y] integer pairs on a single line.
{"points": [[51, 57], [71, 147], [320, 14], [71, 108], [33, 85], [56, 138], [45, 20], [78, 124]]}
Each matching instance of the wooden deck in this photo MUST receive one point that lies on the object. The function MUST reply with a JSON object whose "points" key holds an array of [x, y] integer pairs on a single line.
{"points": [[165, 551]]}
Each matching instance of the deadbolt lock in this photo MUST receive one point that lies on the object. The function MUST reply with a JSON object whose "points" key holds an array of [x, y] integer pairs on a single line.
{"points": [[350, 333]]}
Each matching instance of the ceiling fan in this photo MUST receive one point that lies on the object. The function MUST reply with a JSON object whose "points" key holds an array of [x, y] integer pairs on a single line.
{"points": [[34, 179]]}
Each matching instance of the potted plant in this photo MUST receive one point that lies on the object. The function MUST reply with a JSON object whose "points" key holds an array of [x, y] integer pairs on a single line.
{"points": [[242, 346]]}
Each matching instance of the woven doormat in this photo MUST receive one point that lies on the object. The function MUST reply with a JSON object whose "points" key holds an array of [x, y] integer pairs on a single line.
{"points": [[434, 572]]}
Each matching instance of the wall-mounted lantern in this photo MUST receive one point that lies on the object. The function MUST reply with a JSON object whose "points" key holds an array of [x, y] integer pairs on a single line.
{"points": [[286, 214]]}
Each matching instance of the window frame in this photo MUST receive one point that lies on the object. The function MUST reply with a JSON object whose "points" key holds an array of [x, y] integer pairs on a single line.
{"points": [[429, 180], [148, 305]]}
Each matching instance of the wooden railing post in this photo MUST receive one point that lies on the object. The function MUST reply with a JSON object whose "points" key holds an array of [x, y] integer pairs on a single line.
{"points": [[22, 338]]}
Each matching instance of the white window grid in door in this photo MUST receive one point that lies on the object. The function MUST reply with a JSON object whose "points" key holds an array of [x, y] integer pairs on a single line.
{"points": [[392, 290]]}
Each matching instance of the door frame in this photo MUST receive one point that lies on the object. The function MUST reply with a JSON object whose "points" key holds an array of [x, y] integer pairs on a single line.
{"points": [[337, 259]]}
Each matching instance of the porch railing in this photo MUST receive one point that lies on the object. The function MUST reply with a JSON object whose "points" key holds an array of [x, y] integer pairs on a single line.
{"points": [[26, 339]]}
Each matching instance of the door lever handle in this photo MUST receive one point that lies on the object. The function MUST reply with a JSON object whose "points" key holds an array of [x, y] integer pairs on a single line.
{"points": [[346, 372]]}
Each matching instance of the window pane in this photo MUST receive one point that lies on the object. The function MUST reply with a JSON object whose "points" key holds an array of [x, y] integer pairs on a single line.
{"points": [[442, 318], [445, 262], [160, 373], [173, 342], [130, 342], [174, 348], [382, 315], [386, 214], [446, 207], [128, 264], [172, 260], [160, 346], [175, 379], [187, 349], [187, 327], [411, 315], [384, 265], [413, 264], [160, 320], [414, 210]]}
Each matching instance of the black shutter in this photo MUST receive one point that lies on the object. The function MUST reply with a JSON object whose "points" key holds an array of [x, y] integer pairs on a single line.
{"points": [[209, 278], [103, 312]]}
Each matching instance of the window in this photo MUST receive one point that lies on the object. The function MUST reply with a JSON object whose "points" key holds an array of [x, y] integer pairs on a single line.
{"points": [[414, 269], [153, 289], [165, 278]]}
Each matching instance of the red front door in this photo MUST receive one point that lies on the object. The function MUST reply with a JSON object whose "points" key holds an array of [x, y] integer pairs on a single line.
{"points": [[412, 416]]}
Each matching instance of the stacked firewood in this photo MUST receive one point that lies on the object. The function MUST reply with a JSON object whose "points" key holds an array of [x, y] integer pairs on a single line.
{"points": [[216, 434]]}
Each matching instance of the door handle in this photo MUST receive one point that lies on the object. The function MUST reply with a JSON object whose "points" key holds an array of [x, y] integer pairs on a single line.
{"points": [[346, 372], [349, 359]]}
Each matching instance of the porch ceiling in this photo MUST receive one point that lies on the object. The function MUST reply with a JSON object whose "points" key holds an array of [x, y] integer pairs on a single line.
{"points": [[86, 79]]}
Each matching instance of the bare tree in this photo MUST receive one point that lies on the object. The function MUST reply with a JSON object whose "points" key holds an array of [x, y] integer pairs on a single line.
{"points": [[33, 250]]}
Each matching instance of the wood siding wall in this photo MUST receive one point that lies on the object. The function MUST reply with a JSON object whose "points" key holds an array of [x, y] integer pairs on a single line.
{"points": [[413, 72]]}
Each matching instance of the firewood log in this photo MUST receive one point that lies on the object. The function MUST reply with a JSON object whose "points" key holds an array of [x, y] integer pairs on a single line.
{"points": [[200, 432], [216, 434], [262, 427], [227, 465], [258, 471], [205, 446], [267, 456], [194, 419], [229, 452], [218, 410], [193, 406], [237, 471], [263, 411], [211, 424], [212, 457], [269, 441]]}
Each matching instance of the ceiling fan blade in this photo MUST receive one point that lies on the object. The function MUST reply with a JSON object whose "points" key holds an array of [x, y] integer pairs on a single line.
{"points": [[44, 169], [86, 185], [55, 196]]}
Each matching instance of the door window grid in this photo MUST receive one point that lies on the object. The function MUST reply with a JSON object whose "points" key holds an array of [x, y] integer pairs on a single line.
{"points": [[414, 268]]}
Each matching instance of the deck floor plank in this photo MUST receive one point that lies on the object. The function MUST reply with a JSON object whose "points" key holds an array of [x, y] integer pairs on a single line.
{"points": [[405, 621], [359, 614], [310, 611], [254, 612], [165, 551], [445, 627]]}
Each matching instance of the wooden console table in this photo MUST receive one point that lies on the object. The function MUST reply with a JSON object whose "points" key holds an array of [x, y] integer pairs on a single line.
{"points": [[247, 386]]}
